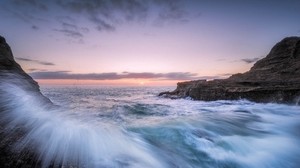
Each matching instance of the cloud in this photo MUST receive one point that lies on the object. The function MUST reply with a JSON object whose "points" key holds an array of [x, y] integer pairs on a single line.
{"points": [[25, 10], [35, 61], [250, 60], [70, 29], [109, 14], [45, 63], [113, 75], [36, 69], [70, 33], [35, 3], [34, 27], [106, 15], [171, 11]]}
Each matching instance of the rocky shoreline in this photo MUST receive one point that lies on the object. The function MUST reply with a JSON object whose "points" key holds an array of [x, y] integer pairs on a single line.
{"points": [[275, 78]]}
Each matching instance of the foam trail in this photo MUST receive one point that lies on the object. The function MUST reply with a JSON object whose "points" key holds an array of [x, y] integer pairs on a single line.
{"points": [[58, 139], [156, 132]]}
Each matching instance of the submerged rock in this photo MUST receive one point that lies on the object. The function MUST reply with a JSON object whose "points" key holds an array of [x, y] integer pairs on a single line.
{"points": [[275, 78]]}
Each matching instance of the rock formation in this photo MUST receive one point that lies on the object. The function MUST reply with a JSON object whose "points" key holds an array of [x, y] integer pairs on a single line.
{"points": [[275, 78], [11, 74], [8, 66]]}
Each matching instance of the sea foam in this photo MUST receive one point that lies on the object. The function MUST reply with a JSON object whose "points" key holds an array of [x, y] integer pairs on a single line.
{"points": [[58, 138]]}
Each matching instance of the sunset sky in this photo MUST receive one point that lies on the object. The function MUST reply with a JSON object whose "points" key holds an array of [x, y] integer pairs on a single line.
{"points": [[143, 42]]}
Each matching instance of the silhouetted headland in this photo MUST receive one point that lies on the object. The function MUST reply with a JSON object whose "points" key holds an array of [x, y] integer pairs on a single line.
{"points": [[275, 78]]}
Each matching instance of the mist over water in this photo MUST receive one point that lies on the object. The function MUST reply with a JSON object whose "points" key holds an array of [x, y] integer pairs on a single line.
{"points": [[132, 127]]}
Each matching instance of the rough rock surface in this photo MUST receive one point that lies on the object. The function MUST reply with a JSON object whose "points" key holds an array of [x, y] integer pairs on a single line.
{"points": [[11, 74], [275, 78]]}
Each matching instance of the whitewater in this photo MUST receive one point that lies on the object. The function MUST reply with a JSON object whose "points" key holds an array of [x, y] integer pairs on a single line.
{"points": [[131, 127]]}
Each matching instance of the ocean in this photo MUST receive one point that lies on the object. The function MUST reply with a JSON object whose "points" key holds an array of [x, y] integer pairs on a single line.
{"points": [[131, 127]]}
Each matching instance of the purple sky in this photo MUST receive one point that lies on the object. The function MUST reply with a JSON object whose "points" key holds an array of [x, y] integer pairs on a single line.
{"points": [[144, 40]]}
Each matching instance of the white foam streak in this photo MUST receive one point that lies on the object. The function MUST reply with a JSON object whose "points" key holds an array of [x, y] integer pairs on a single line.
{"points": [[57, 138], [157, 132]]}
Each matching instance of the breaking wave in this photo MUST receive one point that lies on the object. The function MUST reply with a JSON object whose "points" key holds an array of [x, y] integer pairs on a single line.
{"points": [[132, 127]]}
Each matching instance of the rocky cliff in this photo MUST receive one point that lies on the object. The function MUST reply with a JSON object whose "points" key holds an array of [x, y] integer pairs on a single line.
{"points": [[9, 68], [275, 78], [13, 76]]}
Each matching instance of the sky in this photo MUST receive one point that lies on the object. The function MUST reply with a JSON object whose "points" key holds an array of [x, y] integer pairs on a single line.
{"points": [[143, 42]]}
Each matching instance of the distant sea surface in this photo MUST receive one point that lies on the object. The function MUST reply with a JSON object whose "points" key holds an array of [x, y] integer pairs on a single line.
{"points": [[133, 127]]}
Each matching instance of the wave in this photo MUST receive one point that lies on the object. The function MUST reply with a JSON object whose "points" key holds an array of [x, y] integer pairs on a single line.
{"points": [[58, 138], [147, 131]]}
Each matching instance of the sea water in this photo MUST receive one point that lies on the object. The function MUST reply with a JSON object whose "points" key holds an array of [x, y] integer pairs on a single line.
{"points": [[131, 127]]}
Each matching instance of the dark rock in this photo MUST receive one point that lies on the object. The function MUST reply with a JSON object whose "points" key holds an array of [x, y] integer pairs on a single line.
{"points": [[275, 78], [11, 74]]}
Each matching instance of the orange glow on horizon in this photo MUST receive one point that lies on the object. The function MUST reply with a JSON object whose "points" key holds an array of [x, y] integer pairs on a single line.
{"points": [[120, 82]]}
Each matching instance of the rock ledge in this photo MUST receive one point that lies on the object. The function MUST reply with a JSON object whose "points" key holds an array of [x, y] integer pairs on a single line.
{"points": [[275, 78]]}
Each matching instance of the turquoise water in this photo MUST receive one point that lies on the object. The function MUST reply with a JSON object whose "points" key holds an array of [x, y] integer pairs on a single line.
{"points": [[132, 127]]}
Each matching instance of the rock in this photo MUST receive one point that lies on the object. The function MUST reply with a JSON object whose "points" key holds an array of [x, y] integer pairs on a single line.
{"points": [[9, 68], [11, 74], [275, 78]]}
